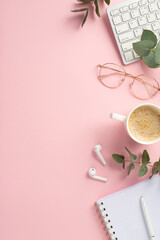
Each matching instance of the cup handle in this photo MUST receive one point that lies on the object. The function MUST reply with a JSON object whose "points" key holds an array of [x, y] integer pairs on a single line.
{"points": [[119, 117]]}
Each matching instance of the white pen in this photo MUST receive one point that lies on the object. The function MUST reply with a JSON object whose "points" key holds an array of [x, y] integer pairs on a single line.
{"points": [[147, 220]]}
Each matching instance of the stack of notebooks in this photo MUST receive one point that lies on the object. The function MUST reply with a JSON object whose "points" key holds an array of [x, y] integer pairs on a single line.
{"points": [[122, 212]]}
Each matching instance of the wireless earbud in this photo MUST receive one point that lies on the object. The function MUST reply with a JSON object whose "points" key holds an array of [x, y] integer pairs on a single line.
{"points": [[92, 173], [97, 150]]}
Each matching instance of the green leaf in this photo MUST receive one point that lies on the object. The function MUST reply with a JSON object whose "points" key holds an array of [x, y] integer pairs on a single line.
{"points": [[131, 167], [145, 160], [143, 48], [97, 7], [157, 53], [142, 170], [132, 156], [149, 35], [145, 157], [154, 169], [107, 1], [119, 159], [150, 60], [80, 10], [85, 18]]}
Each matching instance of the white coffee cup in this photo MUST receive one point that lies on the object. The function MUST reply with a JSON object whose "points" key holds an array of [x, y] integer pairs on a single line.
{"points": [[125, 119]]}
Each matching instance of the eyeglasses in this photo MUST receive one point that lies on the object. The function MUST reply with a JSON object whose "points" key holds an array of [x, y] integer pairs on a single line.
{"points": [[142, 87]]}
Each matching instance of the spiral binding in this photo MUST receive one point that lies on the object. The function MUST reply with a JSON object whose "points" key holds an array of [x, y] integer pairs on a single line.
{"points": [[105, 221]]}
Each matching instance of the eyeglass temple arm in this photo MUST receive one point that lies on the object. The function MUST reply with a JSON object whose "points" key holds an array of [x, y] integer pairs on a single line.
{"points": [[147, 83]]}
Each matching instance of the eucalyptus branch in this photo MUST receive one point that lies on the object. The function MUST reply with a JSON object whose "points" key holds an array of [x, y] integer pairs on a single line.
{"points": [[148, 49], [144, 163], [86, 10], [130, 161]]}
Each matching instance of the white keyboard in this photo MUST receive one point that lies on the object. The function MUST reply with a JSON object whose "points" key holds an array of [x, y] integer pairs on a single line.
{"points": [[128, 19]]}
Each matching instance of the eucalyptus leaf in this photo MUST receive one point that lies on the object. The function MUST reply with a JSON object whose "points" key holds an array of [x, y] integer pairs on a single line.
{"points": [[149, 35], [107, 1], [142, 170], [143, 48], [131, 167], [154, 169], [145, 157], [157, 54], [150, 60], [132, 156], [85, 17], [119, 159], [80, 10], [97, 7]]}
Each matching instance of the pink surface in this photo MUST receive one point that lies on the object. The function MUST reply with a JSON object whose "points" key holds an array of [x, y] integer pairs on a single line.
{"points": [[53, 112]]}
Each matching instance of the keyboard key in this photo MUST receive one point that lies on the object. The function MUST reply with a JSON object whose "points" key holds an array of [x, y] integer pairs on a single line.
{"points": [[129, 56], [158, 15], [142, 20], [126, 16], [127, 46], [156, 25], [133, 5], [135, 54], [148, 27], [144, 10], [126, 37], [133, 24], [124, 9], [138, 32], [115, 12], [135, 13], [153, 7], [117, 20], [122, 28], [142, 2], [151, 17]]}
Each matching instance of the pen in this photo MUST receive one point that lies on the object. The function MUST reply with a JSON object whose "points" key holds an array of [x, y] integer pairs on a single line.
{"points": [[147, 220]]}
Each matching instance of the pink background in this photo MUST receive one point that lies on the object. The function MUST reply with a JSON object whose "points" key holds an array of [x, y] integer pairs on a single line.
{"points": [[53, 112]]}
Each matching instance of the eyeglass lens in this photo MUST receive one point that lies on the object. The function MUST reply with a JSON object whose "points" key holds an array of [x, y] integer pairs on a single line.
{"points": [[144, 87], [111, 75]]}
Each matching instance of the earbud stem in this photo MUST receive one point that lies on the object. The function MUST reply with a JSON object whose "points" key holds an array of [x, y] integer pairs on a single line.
{"points": [[100, 178], [101, 158]]}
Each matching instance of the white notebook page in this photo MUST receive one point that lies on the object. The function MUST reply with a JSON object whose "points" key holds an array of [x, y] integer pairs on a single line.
{"points": [[125, 212]]}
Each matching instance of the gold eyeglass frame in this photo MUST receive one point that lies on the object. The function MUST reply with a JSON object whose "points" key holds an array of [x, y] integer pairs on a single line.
{"points": [[125, 74]]}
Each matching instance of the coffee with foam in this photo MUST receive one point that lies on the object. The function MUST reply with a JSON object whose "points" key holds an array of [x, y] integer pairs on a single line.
{"points": [[144, 123]]}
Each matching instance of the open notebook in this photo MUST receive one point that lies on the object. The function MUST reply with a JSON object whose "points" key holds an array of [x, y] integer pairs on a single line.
{"points": [[122, 213]]}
